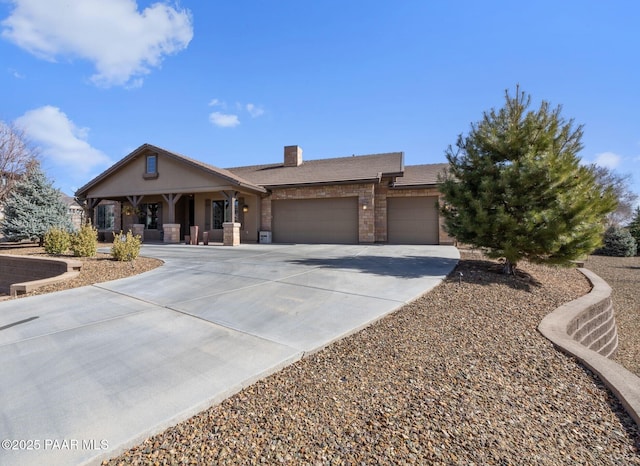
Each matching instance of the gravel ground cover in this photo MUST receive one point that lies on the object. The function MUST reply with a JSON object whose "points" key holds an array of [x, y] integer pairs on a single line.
{"points": [[623, 275], [459, 376]]}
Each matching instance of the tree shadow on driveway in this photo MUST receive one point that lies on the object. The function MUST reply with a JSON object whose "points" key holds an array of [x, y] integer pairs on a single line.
{"points": [[389, 266]]}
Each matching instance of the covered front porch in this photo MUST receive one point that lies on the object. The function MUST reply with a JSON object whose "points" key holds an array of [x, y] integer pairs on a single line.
{"points": [[165, 197], [228, 217]]}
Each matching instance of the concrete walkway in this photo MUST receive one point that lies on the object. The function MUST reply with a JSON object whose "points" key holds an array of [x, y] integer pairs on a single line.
{"points": [[93, 370]]}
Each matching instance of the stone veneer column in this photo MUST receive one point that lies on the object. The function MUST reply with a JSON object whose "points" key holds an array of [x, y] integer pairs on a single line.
{"points": [[231, 234], [265, 215], [366, 216], [171, 232]]}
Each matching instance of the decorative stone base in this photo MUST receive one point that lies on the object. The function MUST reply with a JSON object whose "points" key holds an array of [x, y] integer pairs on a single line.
{"points": [[171, 233], [231, 235]]}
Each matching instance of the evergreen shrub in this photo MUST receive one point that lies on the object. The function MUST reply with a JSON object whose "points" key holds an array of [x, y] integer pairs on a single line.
{"points": [[618, 242], [84, 243], [57, 241], [125, 247]]}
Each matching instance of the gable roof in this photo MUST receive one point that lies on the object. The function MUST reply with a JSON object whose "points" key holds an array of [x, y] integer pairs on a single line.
{"points": [[220, 172], [420, 175], [337, 170], [69, 201], [260, 178]]}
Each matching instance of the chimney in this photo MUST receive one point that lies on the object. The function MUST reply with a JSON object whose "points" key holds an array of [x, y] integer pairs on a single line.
{"points": [[292, 156]]}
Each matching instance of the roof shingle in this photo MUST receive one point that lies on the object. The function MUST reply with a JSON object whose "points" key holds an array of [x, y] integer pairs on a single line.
{"points": [[336, 170], [420, 175]]}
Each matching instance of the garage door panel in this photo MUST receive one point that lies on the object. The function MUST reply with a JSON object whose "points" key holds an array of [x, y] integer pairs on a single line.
{"points": [[412, 220], [315, 220]]}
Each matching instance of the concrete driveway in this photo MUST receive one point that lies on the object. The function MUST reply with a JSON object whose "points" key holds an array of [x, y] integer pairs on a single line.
{"points": [[90, 371]]}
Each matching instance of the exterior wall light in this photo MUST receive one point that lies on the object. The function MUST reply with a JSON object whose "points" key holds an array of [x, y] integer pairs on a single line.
{"points": [[245, 208]]}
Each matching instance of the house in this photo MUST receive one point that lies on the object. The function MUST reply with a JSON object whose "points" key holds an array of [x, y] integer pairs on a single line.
{"points": [[75, 212], [359, 199]]}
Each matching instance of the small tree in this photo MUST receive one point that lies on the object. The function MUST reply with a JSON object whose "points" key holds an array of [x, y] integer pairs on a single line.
{"points": [[620, 185], [16, 155], [516, 188], [33, 207]]}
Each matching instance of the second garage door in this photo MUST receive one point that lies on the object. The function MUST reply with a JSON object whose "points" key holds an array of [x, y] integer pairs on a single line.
{"points": [[412, 220], [332, 220]]}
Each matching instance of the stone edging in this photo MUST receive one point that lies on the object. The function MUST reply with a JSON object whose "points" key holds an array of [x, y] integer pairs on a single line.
{"points": [[556, 326]]}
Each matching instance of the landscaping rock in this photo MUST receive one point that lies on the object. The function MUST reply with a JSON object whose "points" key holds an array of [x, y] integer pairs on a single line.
{"points": [[459, 376]]}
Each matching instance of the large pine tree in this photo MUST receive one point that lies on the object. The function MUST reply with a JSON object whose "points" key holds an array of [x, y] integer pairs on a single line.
{"points": [[33, 207], [516, 188]]}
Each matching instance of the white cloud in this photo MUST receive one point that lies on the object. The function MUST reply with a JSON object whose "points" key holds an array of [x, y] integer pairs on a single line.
{"points": [[254, 110], [229, 120], [224, 120], [608, 160], [123, 43], [62, 143], [16, 74]]}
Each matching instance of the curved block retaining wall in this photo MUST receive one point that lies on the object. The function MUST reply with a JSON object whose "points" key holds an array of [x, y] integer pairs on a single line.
{"points": [[585, 328], [21, 274], [595, 325]]}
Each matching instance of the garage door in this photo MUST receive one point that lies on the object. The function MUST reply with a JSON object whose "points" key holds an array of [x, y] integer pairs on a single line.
{"points": [[315, 220], [412, 220]]}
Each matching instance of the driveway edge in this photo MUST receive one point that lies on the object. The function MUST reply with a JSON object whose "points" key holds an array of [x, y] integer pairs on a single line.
{"points": [[188, 413], [624, 384]]}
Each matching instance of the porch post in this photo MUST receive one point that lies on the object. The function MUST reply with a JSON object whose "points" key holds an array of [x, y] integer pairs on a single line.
{"points": [[137, 229], [135, 200], [172, 200], [231, 229], [171, 229], [89, 207]]}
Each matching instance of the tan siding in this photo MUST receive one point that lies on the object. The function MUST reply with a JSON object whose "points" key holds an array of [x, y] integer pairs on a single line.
{"points": [[173, 176]]}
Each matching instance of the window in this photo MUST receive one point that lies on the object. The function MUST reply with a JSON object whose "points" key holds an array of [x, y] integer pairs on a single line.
{"points": [[152, 164], [218, 214], [149, 214], [222, 213], [106, 217]]}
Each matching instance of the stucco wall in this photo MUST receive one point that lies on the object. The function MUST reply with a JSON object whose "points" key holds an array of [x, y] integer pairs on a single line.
{"points": [[173, 176], [249, 220]]}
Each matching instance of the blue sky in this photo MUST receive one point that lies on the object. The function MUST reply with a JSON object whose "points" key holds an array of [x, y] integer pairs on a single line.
{"points": [[231, 83]]}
